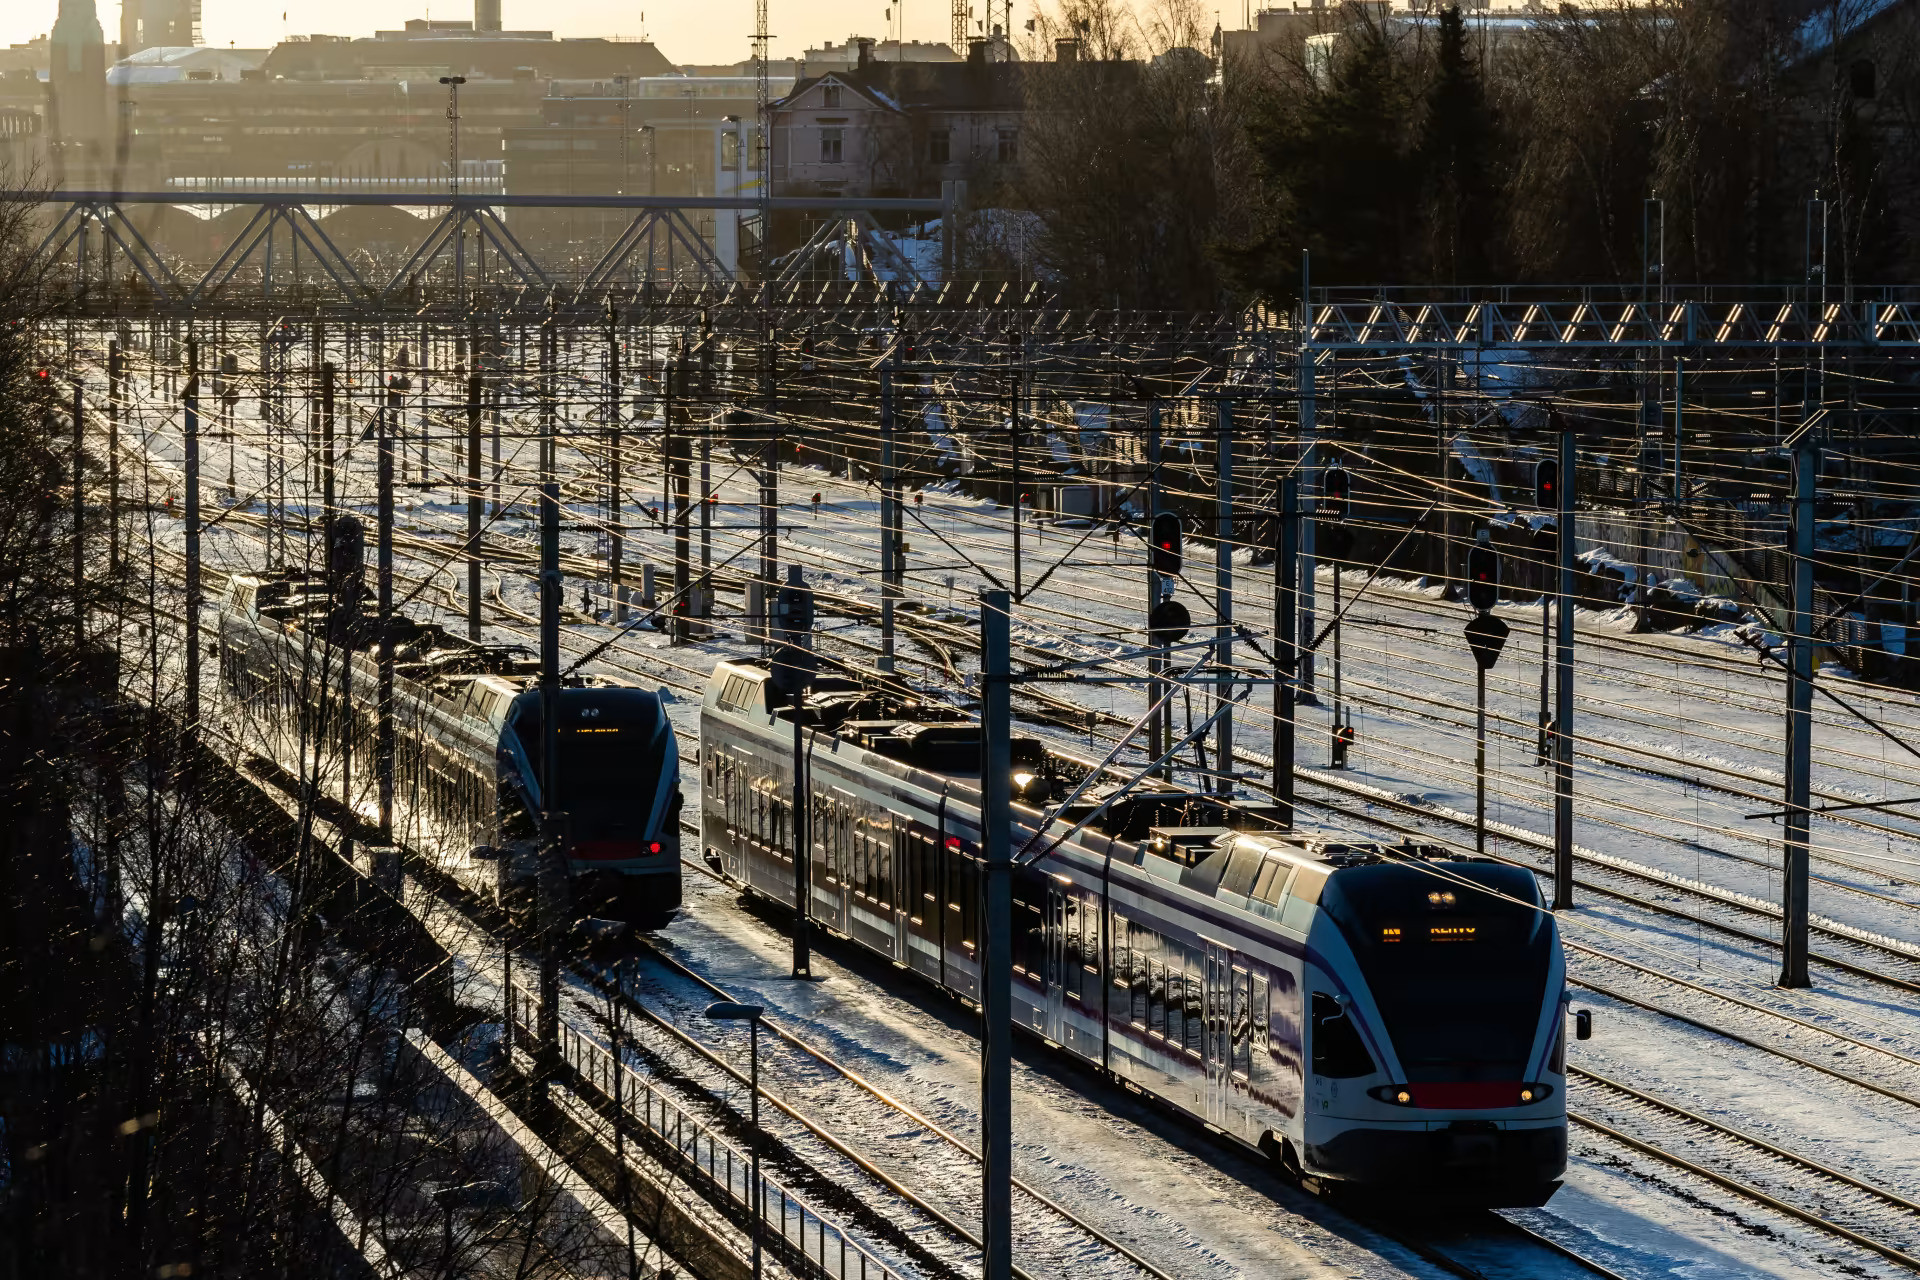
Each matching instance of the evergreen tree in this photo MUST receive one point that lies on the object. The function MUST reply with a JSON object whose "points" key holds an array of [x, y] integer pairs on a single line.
{"points": [[1463, 230]]}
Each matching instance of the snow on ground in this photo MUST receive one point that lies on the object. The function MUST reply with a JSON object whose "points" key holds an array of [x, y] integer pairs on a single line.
{"points": [[1667, 722]]}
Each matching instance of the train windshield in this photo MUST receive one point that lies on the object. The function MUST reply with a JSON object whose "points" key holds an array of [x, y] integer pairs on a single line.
{"points": [[1458, 972], [613, 746]]}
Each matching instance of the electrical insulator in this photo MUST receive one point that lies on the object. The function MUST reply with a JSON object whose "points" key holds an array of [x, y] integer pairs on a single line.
{"points": [[1167, 539], [1483, 578]]}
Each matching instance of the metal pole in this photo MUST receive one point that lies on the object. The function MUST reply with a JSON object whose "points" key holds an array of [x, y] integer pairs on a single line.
{"points": [[616, 526], [79, 517], [1543, 751], [677, 481], [1303, 655], [769, 489], [1013, 462], [328, 376], [802, 863], [116, 370], [1480, 759], [1223, 593], [1793, 933], [753, 1109], [190, 446], [383, 749], [474, 388], [889, 500], [1563, 692], [551, 884], [1156, 738], [1286, 567], [996, 966]]}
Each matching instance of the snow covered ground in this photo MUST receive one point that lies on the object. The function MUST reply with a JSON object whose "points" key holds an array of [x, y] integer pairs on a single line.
{"points": [[1680, 737]]}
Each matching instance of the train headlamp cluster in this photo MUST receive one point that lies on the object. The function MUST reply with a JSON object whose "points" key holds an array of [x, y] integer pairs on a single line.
{"points": [[1441, 898]]}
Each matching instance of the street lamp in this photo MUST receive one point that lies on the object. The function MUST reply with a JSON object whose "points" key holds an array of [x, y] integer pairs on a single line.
{"points": [[728, 1011]]}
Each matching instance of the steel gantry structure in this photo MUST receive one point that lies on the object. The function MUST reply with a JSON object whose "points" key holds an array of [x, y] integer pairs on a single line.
{"points": [[467, 246]]}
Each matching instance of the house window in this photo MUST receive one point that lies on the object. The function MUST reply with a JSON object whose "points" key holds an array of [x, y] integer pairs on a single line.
{"points": [[939, 146], [1009, 146], [830, 146], [830, 94]]}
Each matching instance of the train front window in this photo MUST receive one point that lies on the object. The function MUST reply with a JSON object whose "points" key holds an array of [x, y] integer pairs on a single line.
{"points": [[1457, 970], [611, 755]]}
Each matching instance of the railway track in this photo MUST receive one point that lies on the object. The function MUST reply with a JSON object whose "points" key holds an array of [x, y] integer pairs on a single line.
{"points": [[1788, 1183]]}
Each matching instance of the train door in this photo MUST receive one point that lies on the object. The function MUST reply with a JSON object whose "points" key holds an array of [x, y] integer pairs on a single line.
{"points": [[1217, 1038]]}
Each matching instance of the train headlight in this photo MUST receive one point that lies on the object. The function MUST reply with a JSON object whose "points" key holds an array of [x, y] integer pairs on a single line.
{"points": [[1402, 1097], [653, 846], [1023, 780], [1531, 1093], [1526, 1095], [1398, 1095]]}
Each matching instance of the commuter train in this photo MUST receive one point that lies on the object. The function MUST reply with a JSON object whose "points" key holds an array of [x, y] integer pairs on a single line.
{"points": [[1370, 1016], [468, 758]]}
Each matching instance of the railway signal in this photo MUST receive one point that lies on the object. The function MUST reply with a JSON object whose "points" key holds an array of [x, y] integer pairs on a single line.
{"points": [[1167, 544], [1336, 500], [1168, 623], [1483, 576], [1546, 484]]}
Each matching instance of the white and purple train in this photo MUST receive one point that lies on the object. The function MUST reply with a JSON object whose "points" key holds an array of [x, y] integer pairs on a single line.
{"points": [[1372, 1016]]}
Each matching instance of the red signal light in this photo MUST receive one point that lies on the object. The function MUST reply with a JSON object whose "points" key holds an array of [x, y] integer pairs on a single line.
{"points": [[653, 847]]}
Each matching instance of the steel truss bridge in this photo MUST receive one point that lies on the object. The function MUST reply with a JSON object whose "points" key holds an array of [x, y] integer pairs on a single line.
{"points": [[94, 259]]}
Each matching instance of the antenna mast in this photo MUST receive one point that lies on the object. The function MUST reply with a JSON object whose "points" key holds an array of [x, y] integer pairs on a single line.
{"points": [[960, 15]]}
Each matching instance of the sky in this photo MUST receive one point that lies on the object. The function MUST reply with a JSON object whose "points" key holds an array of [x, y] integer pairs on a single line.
{"points": [[707, 31]]}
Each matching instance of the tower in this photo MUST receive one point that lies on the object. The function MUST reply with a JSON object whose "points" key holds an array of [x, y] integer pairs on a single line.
{"points": [[486, 15], [145, 24], [77, 87]]}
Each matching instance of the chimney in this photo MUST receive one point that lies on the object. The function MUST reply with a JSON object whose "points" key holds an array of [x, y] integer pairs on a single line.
{"points": [[866, 53], [486, 15], [1067, 50]]}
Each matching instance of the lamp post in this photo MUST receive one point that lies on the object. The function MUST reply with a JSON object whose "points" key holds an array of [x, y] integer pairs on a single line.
{"points": [[728, 1011]]}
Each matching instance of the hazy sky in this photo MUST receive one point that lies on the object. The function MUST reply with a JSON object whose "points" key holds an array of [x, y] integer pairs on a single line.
{"points": [[696, 31]]}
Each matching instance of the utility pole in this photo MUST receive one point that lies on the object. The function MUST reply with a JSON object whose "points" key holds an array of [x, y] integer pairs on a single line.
{"points": [[190, 468], [116, 371], [383, 742], [1223, 595], [1563, 690], [996, 954], [1286, 641], [474, 391], [889, 500], [769, 481], [1806, 445], [79, 517], [677, 479], [551, 873], [1156, 667], [1016, 348], [1309, 428], [616, 527]]}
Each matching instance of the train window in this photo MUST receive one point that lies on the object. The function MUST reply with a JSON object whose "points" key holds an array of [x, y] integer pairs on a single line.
{"points": [[1262, 1014], [1338, 1052], [1240, 1023], [1176, 1004], [1157, 998], [1072, 966], [1139, 977], [1196, 1011], [1269, 870], [1122, 954]]}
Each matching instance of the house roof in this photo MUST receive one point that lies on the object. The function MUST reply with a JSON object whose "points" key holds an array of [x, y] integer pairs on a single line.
{"points": [[911, 86]]}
